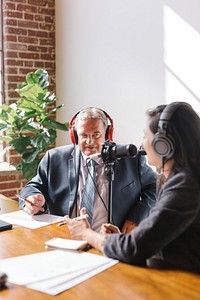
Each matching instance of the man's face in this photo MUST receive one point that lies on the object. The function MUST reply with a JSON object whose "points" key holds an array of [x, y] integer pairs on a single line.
{"points": [[91, 135]]}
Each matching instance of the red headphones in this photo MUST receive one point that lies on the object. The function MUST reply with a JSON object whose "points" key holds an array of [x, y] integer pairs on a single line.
{"points": [[73, 134]]}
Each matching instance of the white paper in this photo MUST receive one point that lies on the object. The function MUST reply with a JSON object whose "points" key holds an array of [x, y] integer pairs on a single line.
{"points": [[54, 271], [56, 286], [66, 243], [23, 219]]}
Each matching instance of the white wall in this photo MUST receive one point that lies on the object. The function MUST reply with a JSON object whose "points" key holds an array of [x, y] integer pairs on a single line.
{"points": [[125, 56]]}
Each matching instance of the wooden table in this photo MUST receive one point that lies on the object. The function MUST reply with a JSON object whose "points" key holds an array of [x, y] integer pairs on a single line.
{"points": [[119, 282]]}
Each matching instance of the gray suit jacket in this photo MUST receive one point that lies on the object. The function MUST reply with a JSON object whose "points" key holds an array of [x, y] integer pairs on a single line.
{"points": [[134, 185]]}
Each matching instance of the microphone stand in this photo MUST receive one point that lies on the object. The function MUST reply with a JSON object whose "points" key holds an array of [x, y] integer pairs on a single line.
{"points": [[109, 169]]}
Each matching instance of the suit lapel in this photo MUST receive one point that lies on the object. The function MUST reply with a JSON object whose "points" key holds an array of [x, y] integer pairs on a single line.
{"points": [[73, 175]]}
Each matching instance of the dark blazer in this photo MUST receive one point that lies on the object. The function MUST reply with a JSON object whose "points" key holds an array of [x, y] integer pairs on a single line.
{"points": [[170, 234], [134, 184]]}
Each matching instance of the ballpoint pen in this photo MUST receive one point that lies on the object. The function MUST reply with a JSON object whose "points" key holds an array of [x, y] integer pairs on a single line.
{"points": [[28, 201], [77, 219]]}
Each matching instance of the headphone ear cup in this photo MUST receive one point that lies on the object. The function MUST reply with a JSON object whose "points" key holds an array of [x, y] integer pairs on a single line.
{"points": [[109, 132], [72, 131], [73, 135], [163, 145]]}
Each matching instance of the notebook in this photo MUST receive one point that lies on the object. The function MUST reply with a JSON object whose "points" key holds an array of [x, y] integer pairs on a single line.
{"points": [[67, 244]]}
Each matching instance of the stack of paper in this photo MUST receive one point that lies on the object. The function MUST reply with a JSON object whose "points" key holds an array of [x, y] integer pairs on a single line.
{"points": [[55, 271], [23, 219]]}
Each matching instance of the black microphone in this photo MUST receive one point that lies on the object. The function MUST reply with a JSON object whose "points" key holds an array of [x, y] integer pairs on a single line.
{"points": [[113, 151], [141, 151], [119, 151]]}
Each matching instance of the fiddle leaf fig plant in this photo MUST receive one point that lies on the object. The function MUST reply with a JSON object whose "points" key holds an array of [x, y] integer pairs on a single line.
{"points": [[28, 125]]}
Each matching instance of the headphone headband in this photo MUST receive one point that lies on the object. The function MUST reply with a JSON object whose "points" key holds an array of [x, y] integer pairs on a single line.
{"points": [[72, 129]]}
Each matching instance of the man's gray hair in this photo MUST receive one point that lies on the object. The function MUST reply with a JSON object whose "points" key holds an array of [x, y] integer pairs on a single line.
{"points": [[92, 113]]}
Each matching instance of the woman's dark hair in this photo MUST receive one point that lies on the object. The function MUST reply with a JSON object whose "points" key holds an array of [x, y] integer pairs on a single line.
{"points": [[184, 128]]}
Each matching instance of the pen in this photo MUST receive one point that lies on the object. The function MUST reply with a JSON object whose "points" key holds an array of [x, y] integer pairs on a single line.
{"points": [[28, 201], [61, 223], [77, 219], [81, 217]]}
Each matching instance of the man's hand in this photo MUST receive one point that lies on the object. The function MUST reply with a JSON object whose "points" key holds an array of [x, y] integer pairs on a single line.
{"points": [[128, 226], [38, 200], [77, 226]]}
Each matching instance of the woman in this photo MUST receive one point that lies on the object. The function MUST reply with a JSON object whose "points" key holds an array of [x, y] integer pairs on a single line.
{"points": [[171, 232]]}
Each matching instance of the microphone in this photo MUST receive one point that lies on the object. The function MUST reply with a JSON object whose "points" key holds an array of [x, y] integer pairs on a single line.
{"points": [[141, 151], [111, 151]]}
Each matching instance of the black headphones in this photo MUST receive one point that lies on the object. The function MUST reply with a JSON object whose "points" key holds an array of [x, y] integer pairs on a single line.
{"points": [[163, 142], [73, 134]]}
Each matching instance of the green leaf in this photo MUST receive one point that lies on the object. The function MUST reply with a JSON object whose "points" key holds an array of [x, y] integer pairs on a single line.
{"points": [[30, 91], [5, 138], [50, 98], [44, 139], [21, 144], [29, 170], [3, 126], [29, 157], [43, 78], [56, 125], [55, 109], [8, 114], [30, 106], [30, 128]]}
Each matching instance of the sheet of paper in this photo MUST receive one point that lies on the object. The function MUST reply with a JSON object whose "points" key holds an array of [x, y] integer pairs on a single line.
{"points": [[56, 286], [66, 243], [23, 219], [54, 271]]}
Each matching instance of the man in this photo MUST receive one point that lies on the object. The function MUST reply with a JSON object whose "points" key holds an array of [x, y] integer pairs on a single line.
{"points": [[62, 174]]}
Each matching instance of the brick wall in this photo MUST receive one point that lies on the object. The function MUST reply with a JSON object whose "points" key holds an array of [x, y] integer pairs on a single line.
{"points": [[28, 44]]}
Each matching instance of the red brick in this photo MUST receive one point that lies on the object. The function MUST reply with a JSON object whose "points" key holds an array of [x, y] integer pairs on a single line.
{"points": [[17, 31], [39, 64], [9, 70], [37, 33], [27, 8], [10, 38], [29, 55], [27, 24], [27, 40], [40, 18], [39, 2], [8, 6], [13, 62], [28, 16], [13, 14], [29, 64], [46, 11]]}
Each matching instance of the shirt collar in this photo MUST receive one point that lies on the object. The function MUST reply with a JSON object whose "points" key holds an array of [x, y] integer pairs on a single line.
{"points": [[99, 160]]}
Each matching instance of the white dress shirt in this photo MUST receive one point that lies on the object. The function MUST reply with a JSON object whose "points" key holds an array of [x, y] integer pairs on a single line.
{"points": [[100, 212]]}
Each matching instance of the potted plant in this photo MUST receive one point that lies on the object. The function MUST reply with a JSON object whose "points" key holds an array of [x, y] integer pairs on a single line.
{"points": [[27, 125]]}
